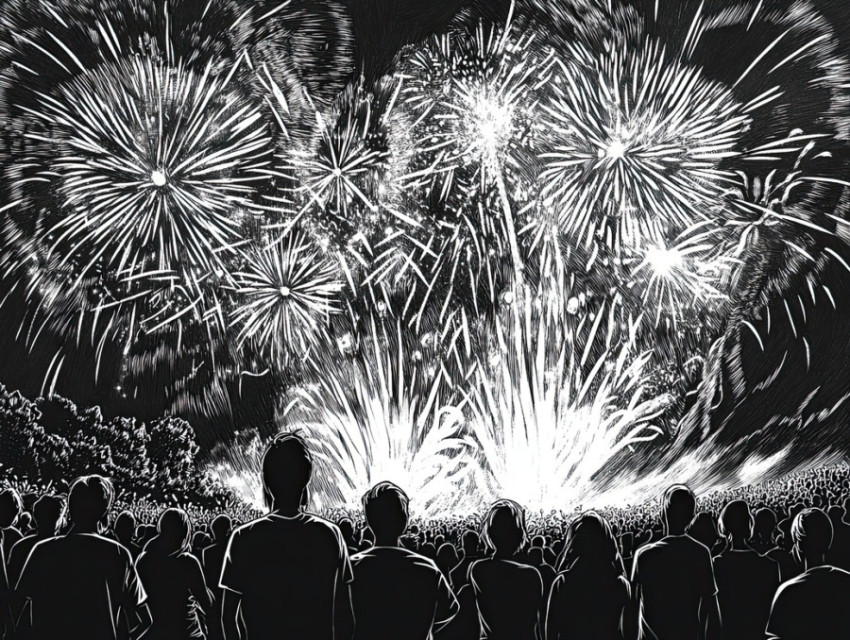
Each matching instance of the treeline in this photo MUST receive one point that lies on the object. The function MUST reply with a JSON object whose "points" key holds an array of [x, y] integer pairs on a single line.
{"points": [[50, 441]]}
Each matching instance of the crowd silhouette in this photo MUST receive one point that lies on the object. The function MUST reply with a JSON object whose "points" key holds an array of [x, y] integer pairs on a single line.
{"points": [[70, 567]]}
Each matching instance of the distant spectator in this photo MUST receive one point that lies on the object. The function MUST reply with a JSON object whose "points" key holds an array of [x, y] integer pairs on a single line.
{"points": [[213, 560], [591, 595], [48, 512], [746, 581], [508, 594], [396, 593], [174, 581], [674, 578], [10, 509], [125, 529], [469, 554], [287, 572], [814, 605], [83, 585]]}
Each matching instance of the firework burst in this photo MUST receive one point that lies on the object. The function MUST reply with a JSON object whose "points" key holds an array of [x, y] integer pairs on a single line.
{"points": [[150, 173], [284, 297], [637, 144]]}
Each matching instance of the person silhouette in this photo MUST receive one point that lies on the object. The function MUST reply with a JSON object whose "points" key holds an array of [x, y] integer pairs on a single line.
{"points": [[812, 606], [508, 594], [173, 579], [48, 512], [212, 559], [469, 550], [124, 529], [839, 552], [287, 574], [591, 595], [673, 578], [746, 581], [396, 593], [83, 585], [10, 510]]}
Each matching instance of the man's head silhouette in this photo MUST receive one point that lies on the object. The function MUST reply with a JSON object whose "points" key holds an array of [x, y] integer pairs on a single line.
{"points": [[811, 532], [736, 521], [765, 525], [10, 507], [386, 509], [125, 527], [469, 543], [677, 509], [221, 527], [89, 500], [504, 528], [287, 466], [47, 512]]}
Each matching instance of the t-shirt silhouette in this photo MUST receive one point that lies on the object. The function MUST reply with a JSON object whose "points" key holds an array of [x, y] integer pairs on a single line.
{"points": [[19, 555], [286, 570], [465, 625], [587, 606], [672, 576], [398, 594], [746, 584], [812, 606], [174, 583], [77, 584], [789, 568], [509, 596], [9, 537]]}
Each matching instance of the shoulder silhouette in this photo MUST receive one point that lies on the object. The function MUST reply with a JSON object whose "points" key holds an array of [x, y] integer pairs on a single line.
{"points": [[396, 593]]}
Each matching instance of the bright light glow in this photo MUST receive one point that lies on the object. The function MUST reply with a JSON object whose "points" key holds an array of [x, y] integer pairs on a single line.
{"points": [[158, 178], [492, 127], [664, 261], [616, 150], [285, 292]]}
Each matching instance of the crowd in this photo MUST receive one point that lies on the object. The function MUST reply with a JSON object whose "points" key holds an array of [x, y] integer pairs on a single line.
{"points": [[769, 561]]}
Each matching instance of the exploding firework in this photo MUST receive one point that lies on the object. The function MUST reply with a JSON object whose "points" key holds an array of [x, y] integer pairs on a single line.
{"points": [[547, 416], [150, 174], [284, 297], [636, 146]]}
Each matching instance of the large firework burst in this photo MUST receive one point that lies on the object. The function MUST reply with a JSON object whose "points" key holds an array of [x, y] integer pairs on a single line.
{"points": [[637, 144], [143, 170]]}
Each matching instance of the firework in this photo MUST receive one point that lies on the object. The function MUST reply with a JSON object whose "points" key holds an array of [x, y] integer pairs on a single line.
{"points": [[151, 173], [386, 418], [284, 297], [546, 416], [637, 146]]}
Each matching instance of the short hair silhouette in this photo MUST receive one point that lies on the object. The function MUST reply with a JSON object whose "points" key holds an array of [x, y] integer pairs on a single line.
{"points": [[125, 526], [287, 467], [764, 523], [221, 527], [812, 532], [736, 520], [678, 508], [386, 509], [504, 528], [89, 499], [47, 511], [469, 542], [11, 506]]}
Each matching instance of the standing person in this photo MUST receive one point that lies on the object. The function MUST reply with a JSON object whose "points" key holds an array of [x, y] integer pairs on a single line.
{"points": [[508, 594], [746, 581], [814, 605], [48, 512], [287, 574], [396, 593], [10, 510], [674, 579], [212, 559], [83, 585], [591, 595], [174, 581]]}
